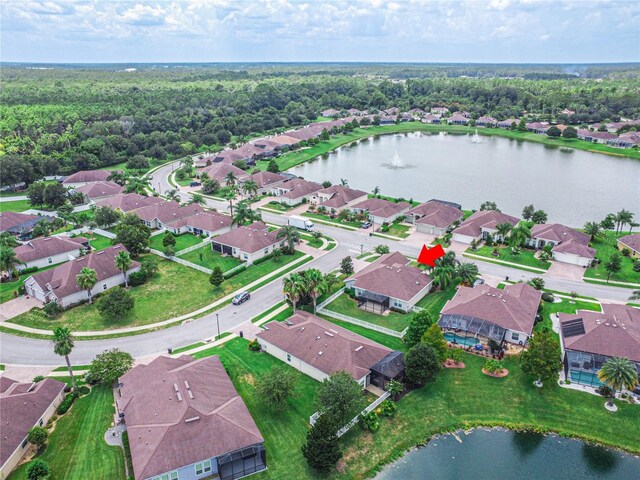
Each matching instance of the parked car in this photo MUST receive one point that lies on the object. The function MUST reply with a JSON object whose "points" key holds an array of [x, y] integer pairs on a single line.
{"points": [[241, 298], [194, 184], [478, 282], [366, 225]]}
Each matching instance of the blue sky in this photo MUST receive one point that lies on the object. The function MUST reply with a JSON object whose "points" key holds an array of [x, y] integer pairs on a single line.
{"points": [[554, 31]]}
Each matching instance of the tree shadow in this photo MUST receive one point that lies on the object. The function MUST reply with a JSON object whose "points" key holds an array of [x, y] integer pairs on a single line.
{"points": [[527, 443], [600, 459]]}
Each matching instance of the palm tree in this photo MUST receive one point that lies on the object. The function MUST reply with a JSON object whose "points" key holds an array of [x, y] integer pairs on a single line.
{"points": [[136, 185], [244, 215], [123, 262], [344, 182], [519, 235], [8, 240], [593, 229], [635, 295], [63, 345], [86, 280], [250, 188], [173, 195], [622, 218], [314, 285], [633, 225], [8, 260], [444, 276], [449, 260], [196, 198], [118, 177], [503, 230], [376, 191], [230, 179], [230, 194], [291, 234], [618, 373], [468, 272], [292, 286]]}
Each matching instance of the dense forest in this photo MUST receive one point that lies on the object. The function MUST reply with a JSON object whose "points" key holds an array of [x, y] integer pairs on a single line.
{"points": [[67, 118]]}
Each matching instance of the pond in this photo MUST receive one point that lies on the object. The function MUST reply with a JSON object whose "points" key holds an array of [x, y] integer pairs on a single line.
{"points": [[572, 186], [488, 454]]}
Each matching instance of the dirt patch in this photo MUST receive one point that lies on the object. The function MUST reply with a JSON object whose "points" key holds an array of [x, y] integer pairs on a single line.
{"points": [[499, 374], [452, 364], [249, 378]]}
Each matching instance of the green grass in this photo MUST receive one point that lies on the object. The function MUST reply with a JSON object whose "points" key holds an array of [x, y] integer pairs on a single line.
{"points": [[606, 246], [206, 257], [393, 343], [16, 206], [433, 302], [397, 230], [98, 242], [565, 306], [335, 221], [76, 449], [7, 288], [281, 207], [74, 367], [187, 347], [259, 317], [347, 306], [182, 241], [525, 258]]}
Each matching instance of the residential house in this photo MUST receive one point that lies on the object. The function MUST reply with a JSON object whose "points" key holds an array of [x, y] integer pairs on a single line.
{"points": [[160, 214], [354, 112], [42, 252], [429, 118], [538, 127], [569, 245], [390, 282], [330, 112], [22, 407], [268, 148], [128, 202], [186, 420], [284, 140], [337, 197], [632, 243], [264, 180], [202, 159], [248, 243], [457, 119], [439, 110], [625, 140], [588, 339], [481, 224], [417, 113], [295, 191], [311, 131], [208, 223], [59, 284], [486, 122], [392, 111], [434, 217], [95, 191], [319, 348], [387, 119], [486, 313], [405, 117], [20, 224], [219, 172], [83, 177], [566, 111], [508, 123], [595, 137], [380, 210]]}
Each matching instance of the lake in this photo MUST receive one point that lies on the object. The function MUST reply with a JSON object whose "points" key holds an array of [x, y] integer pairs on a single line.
{"points": [[503, 454], [572, 186]]}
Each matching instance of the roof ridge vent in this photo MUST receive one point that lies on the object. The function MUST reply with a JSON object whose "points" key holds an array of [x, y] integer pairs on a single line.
{"points": [[359, 348], [192, 419], [329, 334]]}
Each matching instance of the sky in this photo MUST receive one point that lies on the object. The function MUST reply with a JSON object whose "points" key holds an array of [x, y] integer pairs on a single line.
{"points": [[484, 31]]}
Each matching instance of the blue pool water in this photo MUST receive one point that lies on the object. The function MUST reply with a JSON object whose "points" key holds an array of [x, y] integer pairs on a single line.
{"points": [[455, 338], [584, 378]]}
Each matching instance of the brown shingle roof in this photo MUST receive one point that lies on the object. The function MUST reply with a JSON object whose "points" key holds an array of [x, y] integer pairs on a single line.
{"points": [[128, 202], [380, 207], [436, 213], [569, 240], [167, 431], [339, 195], [631, 241], [264, 179], [207, 220], [614, 332], [284, 140], [99, 189], [513, 308], [47, 247], [249, 239], [88, 176], [168, 211], [9, 220], [219, 171], [299, 187], [473, 225], [391, 275], [21, 406], [324, 345]]}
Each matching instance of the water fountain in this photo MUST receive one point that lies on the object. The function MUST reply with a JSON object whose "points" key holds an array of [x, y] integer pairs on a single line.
{"points": [[475, 138], [397, 163]]}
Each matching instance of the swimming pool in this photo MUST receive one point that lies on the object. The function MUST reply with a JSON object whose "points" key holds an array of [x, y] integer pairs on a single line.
{"points": [[455, 338], [584, 378]]}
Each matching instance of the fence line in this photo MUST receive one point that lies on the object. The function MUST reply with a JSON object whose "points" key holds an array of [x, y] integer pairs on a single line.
{"points": [[362, 323], [194, 247], [208, 271], [330, 299]]}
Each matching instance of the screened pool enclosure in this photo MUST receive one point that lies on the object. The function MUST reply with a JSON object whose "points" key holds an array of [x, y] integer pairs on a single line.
{"points": [[473, 325]]}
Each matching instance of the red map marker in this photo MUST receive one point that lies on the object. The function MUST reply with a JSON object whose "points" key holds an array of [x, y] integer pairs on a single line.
{"points": [[428, 256]]}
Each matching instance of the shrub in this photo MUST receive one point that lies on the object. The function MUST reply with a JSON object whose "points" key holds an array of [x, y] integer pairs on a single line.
{"points": [[29, 270], [37, 436], [52, 309], [234, 271], [65, 405], [492, 365], [82, 390], [254, 345], [381, 249], [625, 252], [545, 256], [388, 408], [137, 278], [605, 391], [38, 378], [636, 266], [456, 355], [369, 421], [37, 469], [548, 297], [115, 304], [422, 364]]}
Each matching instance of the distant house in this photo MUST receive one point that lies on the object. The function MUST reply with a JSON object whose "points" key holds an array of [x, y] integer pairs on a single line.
{"points": [[208, 223], [631, 242], [486, 122], [405, 117], [417, 113], [83, 177], [538, 127], [98, 190], [380, 210], [482, 224], [387, 119], [595, 137], [22, 407], [508, 123], [160, 214], [319, 348], [201, 159], [439, 110], [625, 140], [589, 339], [566, 111], [389, 282], [219, 172], [308, 132], [42, 252], [264, 180], [128, 202], [569, 245], [434, 217], [392, 111], [337, 197], [186, 420], [295, 191], [20, 224], [486, 313], [457, 119], [330, 112], [284, 141], [354, 112], [248, 243], [429, 118], [59, 284]]}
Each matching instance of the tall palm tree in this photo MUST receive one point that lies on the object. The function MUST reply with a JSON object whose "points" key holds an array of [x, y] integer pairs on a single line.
{"points": [[468, 272], [618, 373], [250, 188], [519, 235], [622, 218], [136, 185], [593, 229], [8, 240], [118, 177], [292, 287], [503, 230], [314, 285], [8, 260], [376, 191], [123, 262], [344, 182], [230, 179], [173, 195], [635, 295], [230, 194], [244, 215], [63, 345], [444, 276], [291, 235], [86, 280], [196, 198], [633, 225]]}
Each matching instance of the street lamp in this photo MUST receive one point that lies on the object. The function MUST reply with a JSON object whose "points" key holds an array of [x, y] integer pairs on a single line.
{"points": [[218, 323], [361, 248]]}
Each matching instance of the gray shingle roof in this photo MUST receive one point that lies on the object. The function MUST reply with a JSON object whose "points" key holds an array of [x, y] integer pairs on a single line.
{"points": [[47, 247]]}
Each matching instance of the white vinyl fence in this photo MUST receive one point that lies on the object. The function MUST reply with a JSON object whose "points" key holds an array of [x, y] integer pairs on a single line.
{"points": [[181, 261]]}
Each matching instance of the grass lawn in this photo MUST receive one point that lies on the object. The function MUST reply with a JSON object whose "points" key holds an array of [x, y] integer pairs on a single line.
{"points": [[346, 306], [335, 221], [182, 241], [76, 449], [17, 206], [388, 341], [433, 302], [397, 230], [526, 256], [7, 288], [565, 307], [206, 257], [98, 242], [606, 246], [281, 207]]}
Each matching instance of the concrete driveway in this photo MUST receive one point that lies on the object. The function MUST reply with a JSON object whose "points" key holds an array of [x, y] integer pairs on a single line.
{"points": [[566, 270], [15, 307]]}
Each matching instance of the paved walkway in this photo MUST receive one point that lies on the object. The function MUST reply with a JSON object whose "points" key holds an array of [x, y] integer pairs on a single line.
{"points": [[17, 306], [26, 373], [13, 199], [113, 436]]}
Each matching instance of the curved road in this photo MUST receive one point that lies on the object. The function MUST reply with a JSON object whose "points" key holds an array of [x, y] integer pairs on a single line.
{"points": [[27, 351]]}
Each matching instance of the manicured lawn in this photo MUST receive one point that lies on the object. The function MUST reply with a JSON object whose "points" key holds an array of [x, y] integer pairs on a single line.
{"points": [[206, 257], [7, 288], [327, 218], [565, 307], [526, 256], [98, 242], [397, 230], [76, 449], [434, 301], [281, 207], [182, 241], [17, 206], [606, 247], [347, 306], [388, 341]]}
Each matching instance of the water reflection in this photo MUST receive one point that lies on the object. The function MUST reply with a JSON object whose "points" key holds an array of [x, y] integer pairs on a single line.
{"points": [[599, 459], [526, 443]]}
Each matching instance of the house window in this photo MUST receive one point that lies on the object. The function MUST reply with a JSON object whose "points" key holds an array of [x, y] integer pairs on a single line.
{"points": [[203, 467], [245, 256], [41, 422], [266, 250], [24, 444], [288, 357], [515, 336], [50, 261], [167, 476], [104, 286]]}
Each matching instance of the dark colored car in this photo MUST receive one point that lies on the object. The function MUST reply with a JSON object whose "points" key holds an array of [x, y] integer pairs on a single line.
{"points": [[365, 225], [194, 184], [241, 298]]}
